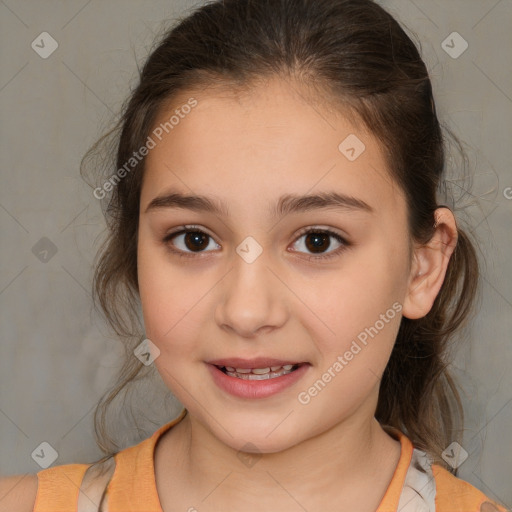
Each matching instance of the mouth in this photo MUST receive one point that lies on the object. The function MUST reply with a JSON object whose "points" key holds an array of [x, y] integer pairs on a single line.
{"points": [[265, 373], [256, 378]]}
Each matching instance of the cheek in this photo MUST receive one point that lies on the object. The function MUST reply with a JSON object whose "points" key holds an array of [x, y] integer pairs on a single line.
{"points": [[357, 295], [176, 305], [164, 298], [152, 284], [352, 365], [360, 310]]}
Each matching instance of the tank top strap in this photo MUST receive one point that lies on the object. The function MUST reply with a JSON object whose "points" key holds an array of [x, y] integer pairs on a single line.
{"points": [[132, 487], [122, 482], [58, 488]]}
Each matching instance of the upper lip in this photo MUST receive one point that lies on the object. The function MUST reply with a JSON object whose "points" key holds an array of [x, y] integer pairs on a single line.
{"points": [[257, 362]]}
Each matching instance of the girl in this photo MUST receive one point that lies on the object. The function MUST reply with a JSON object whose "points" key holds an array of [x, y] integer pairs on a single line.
{"points": [[274, 208]]}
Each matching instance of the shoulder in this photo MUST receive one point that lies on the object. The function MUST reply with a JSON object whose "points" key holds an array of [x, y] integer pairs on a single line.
{"points": [[53, 488], [57, 487], [18, 492], [452, 494]]}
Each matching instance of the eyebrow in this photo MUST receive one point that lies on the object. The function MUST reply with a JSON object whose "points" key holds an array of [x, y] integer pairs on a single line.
{"points": [[287, 204]]}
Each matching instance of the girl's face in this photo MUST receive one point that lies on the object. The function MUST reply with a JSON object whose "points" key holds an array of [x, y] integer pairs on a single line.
{"points": [[252, 285]]}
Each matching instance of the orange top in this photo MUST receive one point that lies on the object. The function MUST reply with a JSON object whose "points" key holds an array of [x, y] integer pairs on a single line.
{"points": [[132, 487]]}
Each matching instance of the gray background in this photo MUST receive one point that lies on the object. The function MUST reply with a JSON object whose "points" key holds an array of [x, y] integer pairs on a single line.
{"points": [[57, 355]]}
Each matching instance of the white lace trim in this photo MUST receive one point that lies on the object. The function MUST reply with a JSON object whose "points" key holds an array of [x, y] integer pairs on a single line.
{"points": [[94, 483], [419, 490]]}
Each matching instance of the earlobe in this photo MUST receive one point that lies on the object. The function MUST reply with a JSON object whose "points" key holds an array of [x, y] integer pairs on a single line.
{"points": [[430, 262]]}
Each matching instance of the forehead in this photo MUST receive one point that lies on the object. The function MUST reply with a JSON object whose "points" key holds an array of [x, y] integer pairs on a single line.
{"points": [[263, 142]]}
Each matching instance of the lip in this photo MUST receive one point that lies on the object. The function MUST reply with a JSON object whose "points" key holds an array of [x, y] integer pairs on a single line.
{"points": [[254, 389], [257, 362]]}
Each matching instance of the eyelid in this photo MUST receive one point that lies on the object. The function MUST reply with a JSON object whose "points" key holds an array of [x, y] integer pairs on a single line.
{"points": [[185, 228], [321, 228]]}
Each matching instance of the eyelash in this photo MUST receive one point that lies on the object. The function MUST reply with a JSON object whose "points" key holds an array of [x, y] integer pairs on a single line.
{"points": [[196, 229]]}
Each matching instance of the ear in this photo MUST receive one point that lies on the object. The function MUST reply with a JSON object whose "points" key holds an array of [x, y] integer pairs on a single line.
{"points": [[429, 265]]}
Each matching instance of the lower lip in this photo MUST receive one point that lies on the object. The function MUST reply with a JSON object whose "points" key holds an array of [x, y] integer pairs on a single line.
{"points": [[256, 388]]}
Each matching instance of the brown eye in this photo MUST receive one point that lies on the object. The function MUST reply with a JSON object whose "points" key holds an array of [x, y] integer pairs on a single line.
{"points": [[188, 241], [196, 240], [192, 241], [318, 241]]}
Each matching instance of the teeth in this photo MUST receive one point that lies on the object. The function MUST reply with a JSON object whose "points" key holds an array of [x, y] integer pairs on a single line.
{"points": [[253, 376], [260, 371]]}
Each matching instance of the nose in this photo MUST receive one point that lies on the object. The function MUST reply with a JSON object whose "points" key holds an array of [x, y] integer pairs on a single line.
{"points": [[252, 299]]}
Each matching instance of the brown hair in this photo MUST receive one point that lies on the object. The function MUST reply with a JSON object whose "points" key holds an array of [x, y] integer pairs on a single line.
{"points": [[352, 54]]}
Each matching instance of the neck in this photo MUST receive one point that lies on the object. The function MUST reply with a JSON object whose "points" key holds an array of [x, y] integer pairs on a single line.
{"points": [[352, 463]]}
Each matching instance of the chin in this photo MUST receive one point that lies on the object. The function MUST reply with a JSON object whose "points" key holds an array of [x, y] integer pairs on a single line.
{"points": [[256, 441]]}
